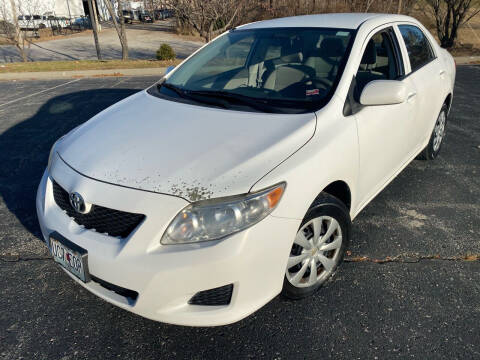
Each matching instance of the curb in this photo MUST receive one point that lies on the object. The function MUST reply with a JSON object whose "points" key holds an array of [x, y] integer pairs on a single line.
{"points": [[467, 60], [50, 75]]}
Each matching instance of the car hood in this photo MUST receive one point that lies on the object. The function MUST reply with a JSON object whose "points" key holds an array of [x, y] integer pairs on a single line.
{"points": [[190, 151]]}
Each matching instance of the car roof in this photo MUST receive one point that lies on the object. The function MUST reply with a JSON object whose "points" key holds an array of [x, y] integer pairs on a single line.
{"points": [[333, 20]]}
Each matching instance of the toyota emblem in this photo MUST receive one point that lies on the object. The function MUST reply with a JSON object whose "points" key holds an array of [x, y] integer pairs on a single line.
{"points": [[77, 202]]}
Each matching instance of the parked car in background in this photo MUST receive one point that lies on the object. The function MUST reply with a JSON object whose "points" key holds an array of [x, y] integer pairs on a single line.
{"points": [[236, 177], [146, 17], [33, 22], [128, 16], [58, 22], [168, 13], [81, 23], [163, 14]]}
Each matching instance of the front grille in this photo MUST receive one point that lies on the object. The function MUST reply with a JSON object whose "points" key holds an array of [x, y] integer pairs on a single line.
{"points": [[100, 219], [130, 294], [218, 296]]}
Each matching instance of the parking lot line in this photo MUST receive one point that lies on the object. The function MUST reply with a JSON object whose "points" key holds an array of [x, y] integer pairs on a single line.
{"points": [[38, 92]]}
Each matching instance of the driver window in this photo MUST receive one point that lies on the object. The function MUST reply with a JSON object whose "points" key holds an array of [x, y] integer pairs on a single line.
{"points": [[378, 61]]}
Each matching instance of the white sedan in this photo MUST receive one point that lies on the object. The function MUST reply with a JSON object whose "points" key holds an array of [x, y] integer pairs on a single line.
{"points": [[236, 177]]}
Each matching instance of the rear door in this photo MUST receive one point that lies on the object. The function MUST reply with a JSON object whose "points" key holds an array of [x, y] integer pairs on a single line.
{"points": [[428, 77]]}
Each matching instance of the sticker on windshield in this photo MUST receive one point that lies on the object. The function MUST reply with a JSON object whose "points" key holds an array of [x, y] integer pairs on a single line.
{"points": [[312, 92], [343, 33]]}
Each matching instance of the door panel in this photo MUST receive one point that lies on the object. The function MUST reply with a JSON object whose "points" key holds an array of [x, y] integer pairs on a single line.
{"points": [[384, 131], [427, 76], [385, 142], [427, 81]]}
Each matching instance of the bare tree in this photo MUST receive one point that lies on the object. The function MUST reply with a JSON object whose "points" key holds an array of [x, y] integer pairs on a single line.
{"points": [[93, 20], [122, 35], [12, 31], [449, 16], [208, 17]]}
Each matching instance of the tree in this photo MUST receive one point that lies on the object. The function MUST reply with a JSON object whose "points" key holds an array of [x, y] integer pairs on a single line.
{"points": [[122, 35], [208, 17], [93, 21], [12, 31], [449, 16]]}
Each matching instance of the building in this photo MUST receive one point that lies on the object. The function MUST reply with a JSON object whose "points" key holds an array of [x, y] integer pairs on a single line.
{"points": [[66, 8]]}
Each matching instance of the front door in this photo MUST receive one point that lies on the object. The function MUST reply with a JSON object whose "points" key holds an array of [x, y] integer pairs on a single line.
{"points": [[384, 131]]}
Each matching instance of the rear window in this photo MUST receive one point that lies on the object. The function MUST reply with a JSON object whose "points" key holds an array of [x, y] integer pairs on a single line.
{"points": [[418, 47]]}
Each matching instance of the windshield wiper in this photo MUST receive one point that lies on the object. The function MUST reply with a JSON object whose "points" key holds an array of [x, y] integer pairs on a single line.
{"points": [[225, 99], [174, 88], [186, 94], [232, 97]]}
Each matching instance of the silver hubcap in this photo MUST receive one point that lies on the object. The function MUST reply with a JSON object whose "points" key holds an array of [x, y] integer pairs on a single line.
{"points": [[315, 252], [439, 131]]}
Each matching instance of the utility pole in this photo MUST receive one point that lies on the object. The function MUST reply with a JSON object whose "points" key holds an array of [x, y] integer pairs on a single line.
{"points": [[94, 5], [93, 20]]}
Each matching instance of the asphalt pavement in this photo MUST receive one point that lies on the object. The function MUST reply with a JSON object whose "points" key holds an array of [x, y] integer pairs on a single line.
{"points": [[408, 290]]}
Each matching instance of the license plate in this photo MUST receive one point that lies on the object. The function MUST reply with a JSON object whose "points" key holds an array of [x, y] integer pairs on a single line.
{"points": [[69, 255]]}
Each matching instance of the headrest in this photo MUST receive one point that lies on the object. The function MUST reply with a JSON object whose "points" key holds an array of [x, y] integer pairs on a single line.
{"points": [[332, 47], [292, 52], [370, 55]]}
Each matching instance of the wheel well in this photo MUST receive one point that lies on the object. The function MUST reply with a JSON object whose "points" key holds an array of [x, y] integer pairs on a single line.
{"points": [[448, 101], [341, 191]]}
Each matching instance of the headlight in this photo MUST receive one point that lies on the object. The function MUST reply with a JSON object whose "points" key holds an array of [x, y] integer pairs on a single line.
{"points": [[214, 219]]}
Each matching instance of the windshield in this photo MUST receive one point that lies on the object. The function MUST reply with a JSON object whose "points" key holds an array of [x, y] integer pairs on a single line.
{"points": [[273, 70]]}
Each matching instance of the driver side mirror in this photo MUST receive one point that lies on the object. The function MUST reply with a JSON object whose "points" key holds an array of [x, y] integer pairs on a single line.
{"points": [[383, 92]]}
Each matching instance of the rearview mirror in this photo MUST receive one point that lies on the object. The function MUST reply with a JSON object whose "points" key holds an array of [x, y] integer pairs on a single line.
{"points": [[383, 92]]}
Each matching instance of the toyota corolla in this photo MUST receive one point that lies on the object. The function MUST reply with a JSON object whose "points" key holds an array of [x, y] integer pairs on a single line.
{"points": [[236, 177]]}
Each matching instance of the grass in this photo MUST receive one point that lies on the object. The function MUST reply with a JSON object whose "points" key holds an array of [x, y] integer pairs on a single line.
{"points": [[84, 65]]}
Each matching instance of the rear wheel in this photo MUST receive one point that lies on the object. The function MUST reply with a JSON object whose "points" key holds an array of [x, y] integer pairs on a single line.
{"points": [[318, 248], [436, 139]]}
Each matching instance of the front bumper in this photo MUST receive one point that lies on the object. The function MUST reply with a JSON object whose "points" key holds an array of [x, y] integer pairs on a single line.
{"points": [[167, 276]]}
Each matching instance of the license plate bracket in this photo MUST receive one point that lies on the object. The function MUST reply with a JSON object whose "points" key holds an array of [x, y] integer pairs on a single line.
{"points": [[70, 256]]}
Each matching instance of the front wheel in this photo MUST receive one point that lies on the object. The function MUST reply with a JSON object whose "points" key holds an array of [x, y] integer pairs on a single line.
{"points": [[436, 138], [318, 248]]}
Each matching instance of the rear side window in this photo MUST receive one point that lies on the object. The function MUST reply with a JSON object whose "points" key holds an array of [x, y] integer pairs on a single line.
{"points": [[418, 47]]}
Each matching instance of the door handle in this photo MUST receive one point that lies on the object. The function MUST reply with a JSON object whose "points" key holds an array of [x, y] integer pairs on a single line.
{"points": [[442, 72], [411, 96]]}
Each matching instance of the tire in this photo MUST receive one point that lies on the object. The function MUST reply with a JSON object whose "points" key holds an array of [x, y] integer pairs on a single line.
{"points": [[436, 138], [327, 213]]}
